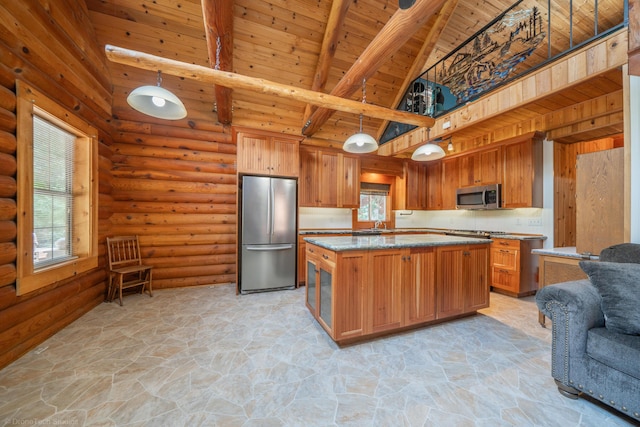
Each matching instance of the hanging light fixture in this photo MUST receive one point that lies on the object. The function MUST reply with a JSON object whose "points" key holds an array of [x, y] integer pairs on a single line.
{"points": [[427, 152], [156, 101], [450, 145], [361, 142]]}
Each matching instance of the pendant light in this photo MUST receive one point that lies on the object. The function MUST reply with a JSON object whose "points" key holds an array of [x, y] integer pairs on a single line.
{"points": [[450, 145], [427, 152], [156, 101], [361, 142]]}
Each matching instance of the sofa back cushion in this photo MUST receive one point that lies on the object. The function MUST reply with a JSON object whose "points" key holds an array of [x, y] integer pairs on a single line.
{"points": [[619, 287], [624, 252]]}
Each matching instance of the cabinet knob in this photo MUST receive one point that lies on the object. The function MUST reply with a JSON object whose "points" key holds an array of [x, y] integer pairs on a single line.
{"points": [[325, 256]]}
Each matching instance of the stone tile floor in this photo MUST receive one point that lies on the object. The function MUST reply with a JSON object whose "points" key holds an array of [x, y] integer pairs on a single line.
{"points": [[206, 357]]}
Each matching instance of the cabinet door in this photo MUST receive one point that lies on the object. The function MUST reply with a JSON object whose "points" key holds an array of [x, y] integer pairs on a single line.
{"points": [[434, 185], [522, 182], [327, 182], [449, 291], [308, 182], [253, 153], [419, 289], [349, 191], [476, 282], [284, 157], [349, 294], [450, 182], [506, 279], [385, 289], [480, 168], [325, 295], [416, 181], [312, 285]]}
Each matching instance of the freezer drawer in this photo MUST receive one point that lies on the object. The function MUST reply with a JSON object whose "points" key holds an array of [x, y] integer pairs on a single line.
{"points": [[267, 267]]}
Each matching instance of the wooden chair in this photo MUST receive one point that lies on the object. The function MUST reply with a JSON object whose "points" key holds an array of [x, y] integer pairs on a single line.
{"points": [[125, 266]]}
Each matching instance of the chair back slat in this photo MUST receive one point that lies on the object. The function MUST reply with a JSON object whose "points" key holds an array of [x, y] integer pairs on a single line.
{"points": [[123, 251]]}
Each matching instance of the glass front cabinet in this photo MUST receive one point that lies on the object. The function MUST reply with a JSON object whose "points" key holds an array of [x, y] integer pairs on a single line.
{"points": [[320, 272]]}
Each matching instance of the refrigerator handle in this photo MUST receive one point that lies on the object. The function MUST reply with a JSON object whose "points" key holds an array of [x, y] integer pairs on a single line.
{"points": [[269, 209], [270, 247], [272, 207]]}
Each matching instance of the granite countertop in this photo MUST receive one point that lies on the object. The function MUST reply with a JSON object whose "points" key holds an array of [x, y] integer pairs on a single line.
{"points": [[518, 236], [351, 243], [347, 231], [566, 252]]}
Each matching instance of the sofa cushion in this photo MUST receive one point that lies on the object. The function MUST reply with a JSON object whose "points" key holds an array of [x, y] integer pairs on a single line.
{"points": [[618, 351], [623, 252], [619, 287]]}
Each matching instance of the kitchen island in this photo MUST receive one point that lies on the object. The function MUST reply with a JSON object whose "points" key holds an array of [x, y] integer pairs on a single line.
{"points": [[363, 286]]}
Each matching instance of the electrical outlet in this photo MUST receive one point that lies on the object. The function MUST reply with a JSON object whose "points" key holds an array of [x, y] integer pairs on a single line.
{"points": [[536, 222]]}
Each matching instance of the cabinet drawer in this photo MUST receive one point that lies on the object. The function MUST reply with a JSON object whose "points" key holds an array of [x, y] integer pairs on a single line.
{"points": [[504, 279], [505, 258], [320, 253], [505, 243]]}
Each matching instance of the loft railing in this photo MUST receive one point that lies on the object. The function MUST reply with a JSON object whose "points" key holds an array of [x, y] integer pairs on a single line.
{"points": [[521, 39]]}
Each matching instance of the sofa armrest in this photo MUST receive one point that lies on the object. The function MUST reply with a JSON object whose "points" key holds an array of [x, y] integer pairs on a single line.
{"points": [[574, 308]]}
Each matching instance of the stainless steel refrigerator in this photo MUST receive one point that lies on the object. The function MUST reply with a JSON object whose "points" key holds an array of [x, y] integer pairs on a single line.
{"points": [[268, 241]]}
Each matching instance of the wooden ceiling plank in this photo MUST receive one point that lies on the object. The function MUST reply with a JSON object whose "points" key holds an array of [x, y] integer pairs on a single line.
{"points": [[328, 49], [225, 78], [218, 24], [398, 30]]}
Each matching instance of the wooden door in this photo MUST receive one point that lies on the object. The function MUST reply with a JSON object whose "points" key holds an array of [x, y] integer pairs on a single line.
{"points": [[308, 182], [349, 191], [449, 281], [476, 278], [385, 289], [284, 157], [522, 178], [416, 181], [419, 288], [434, 185], [349, 294], [488, 167], [450, 182], [599, 200], [328, 180], [253, 153]]}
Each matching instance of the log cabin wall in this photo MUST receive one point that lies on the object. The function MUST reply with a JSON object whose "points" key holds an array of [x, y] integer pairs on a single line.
{"points": [[176, 188], [48, 47]]}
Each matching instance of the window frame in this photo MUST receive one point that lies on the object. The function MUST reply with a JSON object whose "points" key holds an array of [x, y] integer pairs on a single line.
{"points": [[376, 178], [31, 102]]}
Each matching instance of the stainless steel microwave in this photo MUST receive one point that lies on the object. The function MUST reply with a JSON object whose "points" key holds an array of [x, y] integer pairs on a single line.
{"points": [[481, 197]]}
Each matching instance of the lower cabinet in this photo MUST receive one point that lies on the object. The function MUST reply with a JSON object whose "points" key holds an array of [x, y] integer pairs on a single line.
{"points": [[514, 270], [365, 293]]}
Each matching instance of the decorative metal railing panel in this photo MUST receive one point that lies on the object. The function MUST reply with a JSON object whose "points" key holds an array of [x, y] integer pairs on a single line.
{"points": [[524, 37]]}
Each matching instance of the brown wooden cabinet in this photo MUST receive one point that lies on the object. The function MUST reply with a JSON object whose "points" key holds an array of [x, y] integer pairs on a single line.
{"points": [[514, 270], [522, 177], [481, 167], [450, 182], [462, 283], [378, 291], [415, 186], [267, 154], [328, 179]]}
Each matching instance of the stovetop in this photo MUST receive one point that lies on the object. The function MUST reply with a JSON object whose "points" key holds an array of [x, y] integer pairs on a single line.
{"points": [[474, 233]]}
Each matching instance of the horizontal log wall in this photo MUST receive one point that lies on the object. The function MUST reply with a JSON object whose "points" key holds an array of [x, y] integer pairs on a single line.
{"points": [[48, 38], [176, 189]]}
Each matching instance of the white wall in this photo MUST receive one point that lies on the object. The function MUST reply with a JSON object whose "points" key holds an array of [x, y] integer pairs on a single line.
{"points": [[528, 221]]}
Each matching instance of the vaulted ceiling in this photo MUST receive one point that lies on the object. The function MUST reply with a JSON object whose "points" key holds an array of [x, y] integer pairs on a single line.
{"points": [[320, 45]]}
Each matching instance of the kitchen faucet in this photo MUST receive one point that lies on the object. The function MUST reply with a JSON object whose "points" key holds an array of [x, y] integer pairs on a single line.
{"points": [[379, 223]]}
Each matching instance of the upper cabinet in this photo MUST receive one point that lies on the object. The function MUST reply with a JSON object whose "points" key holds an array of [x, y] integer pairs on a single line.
{"points": [[328, 179], [522, 180], [481, 168], [450, 181], [434, 185], [416, 185], [266, 153]]}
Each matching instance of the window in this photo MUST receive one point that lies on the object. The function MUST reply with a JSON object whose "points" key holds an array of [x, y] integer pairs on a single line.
{"points": [[374, 202], [57, 192]]}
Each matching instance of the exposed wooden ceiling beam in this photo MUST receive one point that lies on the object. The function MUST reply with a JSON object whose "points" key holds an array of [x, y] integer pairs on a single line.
{"points": [[149, 62], [218, 25], [402, 25], [328, 49], [438, 22]]}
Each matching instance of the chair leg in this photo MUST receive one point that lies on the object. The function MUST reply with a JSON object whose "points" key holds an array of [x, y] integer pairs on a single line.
{"points": [[120, 288], [149, 273]]}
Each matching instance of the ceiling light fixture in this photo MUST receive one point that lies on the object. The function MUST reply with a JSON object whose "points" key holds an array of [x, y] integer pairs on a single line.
{"points": [[361, 142], [450, 146], [156, 101], [427, 152]]}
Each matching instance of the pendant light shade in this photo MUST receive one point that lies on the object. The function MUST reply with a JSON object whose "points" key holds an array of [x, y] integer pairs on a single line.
{"points": [[427, 152], [158, 102], [361, 142]]}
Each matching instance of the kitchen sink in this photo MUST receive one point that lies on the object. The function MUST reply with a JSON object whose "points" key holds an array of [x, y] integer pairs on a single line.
{"points": [[369, 231]]}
